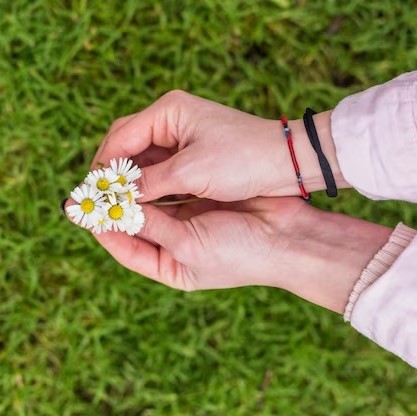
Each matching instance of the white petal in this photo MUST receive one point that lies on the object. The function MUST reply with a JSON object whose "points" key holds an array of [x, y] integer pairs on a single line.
{"points": [[78, 218], [117, 187], [133, 174], [110, 175], [129, 163], [73, 209], [84, 221], [77, 195], [122, 165], [93, 218]]}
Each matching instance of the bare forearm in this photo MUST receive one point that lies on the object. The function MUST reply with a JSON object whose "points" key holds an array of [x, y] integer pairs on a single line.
{"points": [[332, 251]]}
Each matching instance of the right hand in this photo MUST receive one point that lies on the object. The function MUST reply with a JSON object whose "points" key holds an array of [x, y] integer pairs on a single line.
{"points": [[217, 245]]}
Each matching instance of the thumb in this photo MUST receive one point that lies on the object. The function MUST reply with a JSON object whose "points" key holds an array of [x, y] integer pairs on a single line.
{"points": [[169, 177], [174, 235]]}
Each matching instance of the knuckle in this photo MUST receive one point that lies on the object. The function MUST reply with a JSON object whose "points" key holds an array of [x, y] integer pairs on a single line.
{"points": [[176, 103], [184, 250], [175, 95], [189, 248], [187, 285], [182, 279]]}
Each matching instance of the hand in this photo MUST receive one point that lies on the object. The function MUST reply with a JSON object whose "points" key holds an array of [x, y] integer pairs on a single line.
{"points": [[205, 149], [212, 245], [279, 242]]}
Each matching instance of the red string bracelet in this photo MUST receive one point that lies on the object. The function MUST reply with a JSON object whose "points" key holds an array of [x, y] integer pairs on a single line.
{"points": [[288, 136]]}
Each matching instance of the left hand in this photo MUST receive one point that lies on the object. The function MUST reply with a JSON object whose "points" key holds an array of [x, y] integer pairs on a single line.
{"points": [[212, 151]]}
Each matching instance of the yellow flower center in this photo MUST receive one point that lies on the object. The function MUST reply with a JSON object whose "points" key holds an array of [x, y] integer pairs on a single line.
{"points": [[122, 180], [116, 212], [129, 196], [103, 184], [87, 205]]}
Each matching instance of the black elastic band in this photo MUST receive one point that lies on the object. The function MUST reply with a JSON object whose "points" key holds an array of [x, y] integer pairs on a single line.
{"points": [[315, 142]]}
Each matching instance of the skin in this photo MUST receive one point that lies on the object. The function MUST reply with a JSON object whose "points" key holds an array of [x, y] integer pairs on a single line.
{"points": [[246, 231]]}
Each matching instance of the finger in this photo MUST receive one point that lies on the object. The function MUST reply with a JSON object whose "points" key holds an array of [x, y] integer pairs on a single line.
{"points": [[152, 155], [164, 229], [170, 210], [120, 122], [95, 164], [156, 124], [129, 139], [165, 178], [165, 263], [161, 226], [133, 253], [137, 254], [144, 258]]}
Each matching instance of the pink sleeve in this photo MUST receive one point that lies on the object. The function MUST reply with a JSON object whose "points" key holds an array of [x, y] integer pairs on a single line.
{"points": [[383, 308], [386, 311], [375, 135]]}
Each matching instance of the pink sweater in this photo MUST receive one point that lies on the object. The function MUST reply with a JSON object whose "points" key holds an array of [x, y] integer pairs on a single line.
{"points": [[375, 134]]}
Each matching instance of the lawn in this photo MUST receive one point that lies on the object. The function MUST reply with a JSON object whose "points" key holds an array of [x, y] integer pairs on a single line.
{"points": [[79, 334]]}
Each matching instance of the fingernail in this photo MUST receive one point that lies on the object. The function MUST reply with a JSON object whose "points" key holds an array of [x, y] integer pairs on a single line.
{"points": [[62, 206]]}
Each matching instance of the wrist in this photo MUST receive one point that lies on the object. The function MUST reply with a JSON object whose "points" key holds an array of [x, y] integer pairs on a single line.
{"points": [[330, 252], [307, 158]]}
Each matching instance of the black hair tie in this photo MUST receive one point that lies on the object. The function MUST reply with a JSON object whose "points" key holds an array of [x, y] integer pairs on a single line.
{"points": [[315, 143]]}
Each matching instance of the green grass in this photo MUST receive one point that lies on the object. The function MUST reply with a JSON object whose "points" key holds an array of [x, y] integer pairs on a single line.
{"points": [[79, 335]]}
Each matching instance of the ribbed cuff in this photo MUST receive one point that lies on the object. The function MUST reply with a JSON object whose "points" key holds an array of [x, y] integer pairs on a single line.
{"points": [[382, 261]]}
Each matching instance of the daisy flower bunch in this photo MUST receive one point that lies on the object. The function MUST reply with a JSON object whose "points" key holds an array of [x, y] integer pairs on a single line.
{"points": [[106, 200]]}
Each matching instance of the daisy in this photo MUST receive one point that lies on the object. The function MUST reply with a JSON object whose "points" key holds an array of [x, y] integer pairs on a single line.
{"points": [[119, 214], [102, 226], [88, 208], [131, 193], [107, 199], [137, 220], [103, 180], [125, 171]]}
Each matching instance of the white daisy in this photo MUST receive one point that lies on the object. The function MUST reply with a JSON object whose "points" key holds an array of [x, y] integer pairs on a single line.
{"points": [[104, 180], [118, 213], [102, 226], [137, 220], [125, 171], [89, 207], [107, 199], [131, 193]]}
